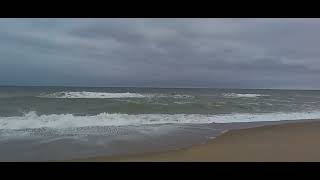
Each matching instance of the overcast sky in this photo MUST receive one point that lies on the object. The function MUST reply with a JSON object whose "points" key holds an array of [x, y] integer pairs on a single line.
{"points": [[230, 53]]}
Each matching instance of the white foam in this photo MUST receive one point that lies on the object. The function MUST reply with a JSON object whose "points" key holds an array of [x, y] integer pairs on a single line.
{"points": [[182, 96], [99, 95], [177, 102], [243, 95], [32, 120], [85, 94]]}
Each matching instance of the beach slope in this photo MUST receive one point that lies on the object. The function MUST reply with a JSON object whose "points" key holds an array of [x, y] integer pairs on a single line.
{"points": [[284, 142]]}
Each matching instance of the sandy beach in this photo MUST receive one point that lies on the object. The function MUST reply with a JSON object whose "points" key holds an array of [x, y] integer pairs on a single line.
{"points": [[284, 142]]}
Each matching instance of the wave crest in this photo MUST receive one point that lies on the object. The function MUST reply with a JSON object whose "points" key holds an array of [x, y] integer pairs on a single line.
{"points": [[105, 95], [32, 120], [243, 95], [85, 94]]}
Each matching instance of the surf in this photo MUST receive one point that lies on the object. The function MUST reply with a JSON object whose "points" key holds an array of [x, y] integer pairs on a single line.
{"points": [[86, 94], [32, 120]]}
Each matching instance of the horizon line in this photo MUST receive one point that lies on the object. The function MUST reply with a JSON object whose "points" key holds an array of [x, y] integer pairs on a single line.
{"points": [[156, 87]]}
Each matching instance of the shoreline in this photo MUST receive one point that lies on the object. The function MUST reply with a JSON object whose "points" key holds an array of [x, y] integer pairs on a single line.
{"points": [[294, 141]]}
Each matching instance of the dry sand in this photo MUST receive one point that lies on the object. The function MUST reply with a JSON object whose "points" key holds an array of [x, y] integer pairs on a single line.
{"points": [[285, 142]]}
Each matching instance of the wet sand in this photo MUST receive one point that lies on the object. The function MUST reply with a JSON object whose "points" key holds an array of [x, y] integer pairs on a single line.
{"points": [[298, 141]]}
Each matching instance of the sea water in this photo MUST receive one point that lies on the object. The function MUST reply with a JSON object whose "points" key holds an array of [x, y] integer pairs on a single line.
{"points": [[59, 123]]}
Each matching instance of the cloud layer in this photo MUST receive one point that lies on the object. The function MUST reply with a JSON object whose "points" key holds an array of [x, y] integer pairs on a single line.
{"points": [[237, 53]]}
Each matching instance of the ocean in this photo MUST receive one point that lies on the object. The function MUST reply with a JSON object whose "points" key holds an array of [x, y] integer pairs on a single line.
{"points": [[61, 123]]}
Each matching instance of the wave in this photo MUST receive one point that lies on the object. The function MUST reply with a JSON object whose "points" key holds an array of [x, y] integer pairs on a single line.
{"points": [[182, 96], [102, 95], [85, 94], [177, 102], [243, 95], [60, 121]]}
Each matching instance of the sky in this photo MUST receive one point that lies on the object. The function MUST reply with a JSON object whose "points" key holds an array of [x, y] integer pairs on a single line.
{"points": [[218, 53]]}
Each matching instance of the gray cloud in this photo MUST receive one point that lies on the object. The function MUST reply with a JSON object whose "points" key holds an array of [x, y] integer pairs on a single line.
{"points": [[238, 53]]}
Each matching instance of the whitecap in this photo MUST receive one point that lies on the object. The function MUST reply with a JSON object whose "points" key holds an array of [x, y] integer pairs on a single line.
{"points": [[243, 95], [85, 94], [32, 120]]}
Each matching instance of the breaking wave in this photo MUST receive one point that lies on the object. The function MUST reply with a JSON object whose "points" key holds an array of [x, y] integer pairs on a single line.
{"points": [[243, 95], [101, 95], [32, 120], [85, 94]]}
